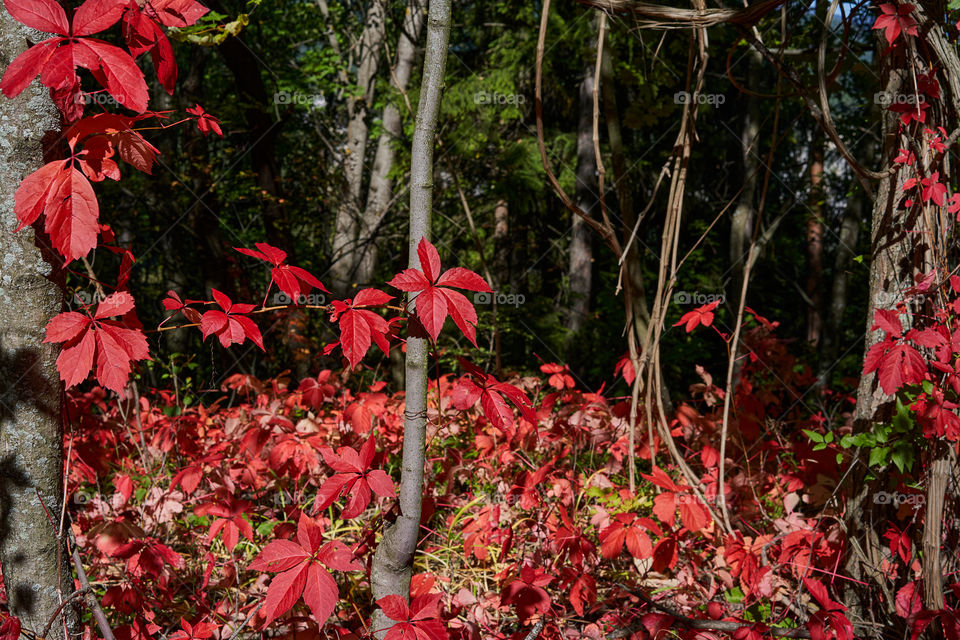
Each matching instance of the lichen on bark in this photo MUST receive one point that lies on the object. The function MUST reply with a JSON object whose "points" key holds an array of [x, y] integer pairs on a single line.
{"points": [[31, 442]]}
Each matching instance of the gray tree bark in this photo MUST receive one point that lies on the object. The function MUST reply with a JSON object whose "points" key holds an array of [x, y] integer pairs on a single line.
{"points": [[380, 192], [393, 560], [348, 213], [897, 253], [31, 440]]}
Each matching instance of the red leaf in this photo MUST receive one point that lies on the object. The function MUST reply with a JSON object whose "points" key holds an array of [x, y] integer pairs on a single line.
{"points": [[901, 365], [429, 260], [178, 13], [337, 555], [665, 554], [320, 593], [463, 279], [701, 315], [435, 301], [284, 591], [65, 196], [279, 555], [909, 601], [665, 507], [21, 72], [394, 607], [45, 15], [463, 313], [409, 280], [230, 325], [583, 592], [114, 345], [116, 304], [94, 16], [432, 310], [360, 327], [889, 321], [309, 533], [72, 215], [123, 78], [660, 478], [895, 19], [10, 629], [692, 513]]}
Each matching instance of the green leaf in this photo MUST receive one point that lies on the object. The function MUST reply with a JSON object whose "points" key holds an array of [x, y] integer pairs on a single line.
{"points": [[813, 435], [879, 456], [903, 456], [734, 596], [903, 420]]}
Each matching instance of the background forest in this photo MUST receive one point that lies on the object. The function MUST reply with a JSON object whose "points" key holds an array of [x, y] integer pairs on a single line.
{"points": [[285, 97], [703, 383]]}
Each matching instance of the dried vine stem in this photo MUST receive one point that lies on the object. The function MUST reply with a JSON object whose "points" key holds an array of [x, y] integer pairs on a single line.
{"points": [[98, 614], [664, 17], [603, 228]]}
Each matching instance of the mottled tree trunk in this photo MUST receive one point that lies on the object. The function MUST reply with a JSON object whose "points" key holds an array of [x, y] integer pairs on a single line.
{"points": [[903, 244], [347, 224], [363, 261], [393, 561], [580, 269], [31, 440]]}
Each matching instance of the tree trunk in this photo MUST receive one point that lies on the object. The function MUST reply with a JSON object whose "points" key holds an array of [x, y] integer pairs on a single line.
{"points": [[815, 241], [393, 561], [580, 269], [501, 245], [348, 213], [849, 231], [903, 244], [35, 572], [363, 260]]}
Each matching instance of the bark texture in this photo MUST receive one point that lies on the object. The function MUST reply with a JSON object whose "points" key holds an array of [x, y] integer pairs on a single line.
{"points": [[348, 214], [897, 254], [393, 560], [380, 192], [31, 441]]}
